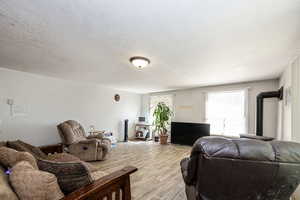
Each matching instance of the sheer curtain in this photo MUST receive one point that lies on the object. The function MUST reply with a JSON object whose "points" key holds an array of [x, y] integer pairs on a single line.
{"points": [[226, 112]]}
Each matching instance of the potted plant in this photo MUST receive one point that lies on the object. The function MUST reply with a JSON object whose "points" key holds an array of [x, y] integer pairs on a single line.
{"points": [[162, 115]]}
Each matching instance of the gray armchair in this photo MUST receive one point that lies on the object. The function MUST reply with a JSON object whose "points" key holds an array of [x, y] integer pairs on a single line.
{"points": [[90, 148]]}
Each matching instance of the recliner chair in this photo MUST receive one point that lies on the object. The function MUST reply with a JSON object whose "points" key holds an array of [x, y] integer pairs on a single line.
{"points": [[222, 168], [89, 148]]}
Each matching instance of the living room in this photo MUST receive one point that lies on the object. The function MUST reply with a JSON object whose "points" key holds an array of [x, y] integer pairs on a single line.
{"points": [[116, 100]]}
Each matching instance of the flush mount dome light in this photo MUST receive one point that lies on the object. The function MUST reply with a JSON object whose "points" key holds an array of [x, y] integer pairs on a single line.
{"points": [[139, 62]]}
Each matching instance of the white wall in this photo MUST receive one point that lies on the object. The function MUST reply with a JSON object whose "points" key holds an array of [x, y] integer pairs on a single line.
{"points": [[145, 105], [285, 107], [289, 108], [48, 101], [296, 100], [296, 107], [190, 104]]}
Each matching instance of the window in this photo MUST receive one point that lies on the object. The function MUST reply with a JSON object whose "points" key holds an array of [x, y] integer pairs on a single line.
{"points": [[227, 112]]}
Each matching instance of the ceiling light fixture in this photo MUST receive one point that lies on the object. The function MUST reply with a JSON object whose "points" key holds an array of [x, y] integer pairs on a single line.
{"points": [[139, 62]]}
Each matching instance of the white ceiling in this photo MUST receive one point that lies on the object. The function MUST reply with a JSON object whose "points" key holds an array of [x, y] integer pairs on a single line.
{"points": [[190, 42]]}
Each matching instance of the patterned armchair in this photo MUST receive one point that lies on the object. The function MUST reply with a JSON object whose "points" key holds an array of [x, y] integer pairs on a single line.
{"points": [[90, 148]]}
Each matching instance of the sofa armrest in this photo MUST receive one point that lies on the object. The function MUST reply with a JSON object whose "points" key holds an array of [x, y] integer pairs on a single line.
{"points": [[255, 137], [105, 186], [51, 149], [188, 170], [184, 166]]}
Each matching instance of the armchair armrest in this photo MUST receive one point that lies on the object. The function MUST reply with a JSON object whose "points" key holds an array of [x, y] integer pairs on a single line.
{"points": [[88, 141], [106, 186], [188, 170], [106, 142], [86, 150], [84, 145], [97, 136]]}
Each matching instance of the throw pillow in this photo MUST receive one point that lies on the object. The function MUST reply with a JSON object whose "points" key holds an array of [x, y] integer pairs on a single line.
{"points": [[30, 183], [70, 175], [22, 146], [9, 157]]}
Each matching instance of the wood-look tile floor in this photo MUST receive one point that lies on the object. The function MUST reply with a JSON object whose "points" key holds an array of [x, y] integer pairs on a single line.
{"points": [[158, 176]]}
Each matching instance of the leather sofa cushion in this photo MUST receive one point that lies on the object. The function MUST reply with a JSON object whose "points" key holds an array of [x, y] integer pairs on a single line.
{"points": [[246, 149], [30, 183], [9, 157], [6, 192], [286, 151]]}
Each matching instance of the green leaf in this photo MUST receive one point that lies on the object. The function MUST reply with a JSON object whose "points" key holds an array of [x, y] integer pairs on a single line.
{"points": [[162, 115]]}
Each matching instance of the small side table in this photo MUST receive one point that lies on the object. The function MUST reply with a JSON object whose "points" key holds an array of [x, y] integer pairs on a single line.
{"points": [[140, 134], [96, 132], [103, 135]]}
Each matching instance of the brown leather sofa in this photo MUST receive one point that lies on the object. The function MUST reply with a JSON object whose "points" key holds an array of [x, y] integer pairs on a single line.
{"points": [[89, 148], [222, 168]]}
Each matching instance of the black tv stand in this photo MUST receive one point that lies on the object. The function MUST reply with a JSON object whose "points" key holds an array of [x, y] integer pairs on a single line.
{"points": [[187, 133]]}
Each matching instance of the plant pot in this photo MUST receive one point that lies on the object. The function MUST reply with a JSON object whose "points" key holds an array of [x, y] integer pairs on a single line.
{"points": [[163, 139], [156, 138]]}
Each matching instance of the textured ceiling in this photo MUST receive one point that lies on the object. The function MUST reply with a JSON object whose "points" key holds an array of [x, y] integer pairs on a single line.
{"points": [[190, 43]]}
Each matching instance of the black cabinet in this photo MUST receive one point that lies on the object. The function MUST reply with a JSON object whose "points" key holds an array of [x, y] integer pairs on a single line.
{"points": [[188, 133]]}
